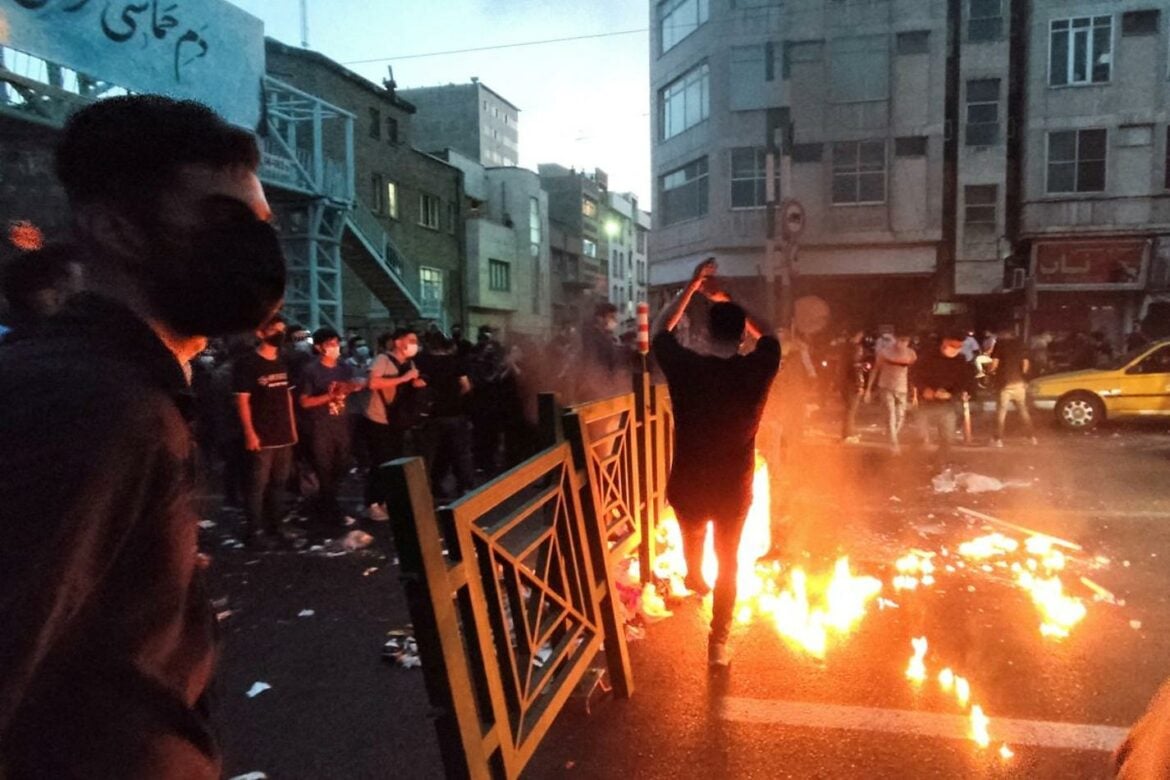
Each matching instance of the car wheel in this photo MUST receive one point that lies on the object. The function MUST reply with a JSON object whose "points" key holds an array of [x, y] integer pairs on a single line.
{"points": [[1080, 411]]}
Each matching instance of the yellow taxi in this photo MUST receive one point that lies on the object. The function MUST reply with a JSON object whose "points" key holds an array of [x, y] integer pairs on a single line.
{"points": [[1135, 385]]}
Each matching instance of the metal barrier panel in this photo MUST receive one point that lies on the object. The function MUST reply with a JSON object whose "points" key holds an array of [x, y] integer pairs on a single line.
{"points": [[509, 621], [604, 436]]}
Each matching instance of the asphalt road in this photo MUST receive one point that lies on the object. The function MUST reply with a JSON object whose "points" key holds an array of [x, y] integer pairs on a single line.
{"points": [[336, 710]]}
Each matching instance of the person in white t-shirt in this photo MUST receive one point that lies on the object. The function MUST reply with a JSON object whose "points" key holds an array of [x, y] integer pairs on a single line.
{"points": [[386, 421], [891, 374]]}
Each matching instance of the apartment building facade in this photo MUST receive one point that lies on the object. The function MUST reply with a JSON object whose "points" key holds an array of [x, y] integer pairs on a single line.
{"points": [[854, 91], [470, 118]]}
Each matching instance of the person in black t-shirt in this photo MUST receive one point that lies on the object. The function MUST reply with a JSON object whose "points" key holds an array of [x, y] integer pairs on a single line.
{"points": [[942, 380], [260, 381], [1009, 366], [718, 400], [447, 432]]}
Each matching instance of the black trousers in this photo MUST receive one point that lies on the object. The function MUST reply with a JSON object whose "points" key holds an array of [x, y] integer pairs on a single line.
{"points": [[265, 476], [447, 448], [728, 530], [329, 453], [384, 443]]}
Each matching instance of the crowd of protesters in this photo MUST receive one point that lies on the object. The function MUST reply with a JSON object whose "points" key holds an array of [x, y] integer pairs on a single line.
{"points": [[286, 416]]}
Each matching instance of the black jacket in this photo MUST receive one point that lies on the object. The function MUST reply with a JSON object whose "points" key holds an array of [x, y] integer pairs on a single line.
{"points": [[107, 639]]}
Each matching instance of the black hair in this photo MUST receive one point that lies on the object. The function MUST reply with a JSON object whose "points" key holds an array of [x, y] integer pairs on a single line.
{"points": [[401, 333], [274, 320], [126, 149], [726, 321], [27, 273], [321, 335], [604, 309]]}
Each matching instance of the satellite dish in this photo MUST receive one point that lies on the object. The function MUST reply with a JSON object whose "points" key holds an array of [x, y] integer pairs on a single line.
{"points": [[810, 314]]}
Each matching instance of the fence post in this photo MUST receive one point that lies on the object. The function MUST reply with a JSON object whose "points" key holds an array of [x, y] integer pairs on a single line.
{"points": [[647, 477], [432, 611]]}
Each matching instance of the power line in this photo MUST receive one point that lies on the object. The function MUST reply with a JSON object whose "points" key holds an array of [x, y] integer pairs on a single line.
{"points": [[499, 46]]}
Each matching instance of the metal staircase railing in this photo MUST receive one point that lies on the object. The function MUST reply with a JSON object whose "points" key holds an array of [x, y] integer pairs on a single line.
{"points": [[378, 243]]}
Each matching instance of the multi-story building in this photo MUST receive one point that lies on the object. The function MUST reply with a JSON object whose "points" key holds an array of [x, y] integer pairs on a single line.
{"points": [[507, 274], [859, 87], [625, 230], [469, 118], [407, 215], [1094, 212], [580, 270]]}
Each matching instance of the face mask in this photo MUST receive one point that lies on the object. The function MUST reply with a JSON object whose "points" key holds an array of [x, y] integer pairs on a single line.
{"points": [[333, 352], [303, 346], [274, 339], [218, 279], [411, 350], [362, 353], [206, 361]]}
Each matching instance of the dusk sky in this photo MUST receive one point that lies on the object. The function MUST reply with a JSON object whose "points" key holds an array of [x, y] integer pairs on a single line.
{"points": [[583, 103]]}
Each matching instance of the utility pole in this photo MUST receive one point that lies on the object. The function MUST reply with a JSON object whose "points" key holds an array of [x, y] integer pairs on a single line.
{"points": [[779, 161], [304, 24]]}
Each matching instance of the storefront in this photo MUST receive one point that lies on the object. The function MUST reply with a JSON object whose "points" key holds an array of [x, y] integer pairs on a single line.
{"points": [[1088, 285]]}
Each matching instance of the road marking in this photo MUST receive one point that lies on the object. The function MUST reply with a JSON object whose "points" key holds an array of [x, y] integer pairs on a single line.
{"points": [[1039, 733]]}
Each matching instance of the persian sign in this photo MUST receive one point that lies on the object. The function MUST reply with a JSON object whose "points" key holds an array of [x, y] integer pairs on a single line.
{"points": [[1099, 264], [205, 50]]}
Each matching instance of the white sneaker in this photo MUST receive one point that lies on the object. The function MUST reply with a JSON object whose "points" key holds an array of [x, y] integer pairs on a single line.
{"points": [[377, 513]]}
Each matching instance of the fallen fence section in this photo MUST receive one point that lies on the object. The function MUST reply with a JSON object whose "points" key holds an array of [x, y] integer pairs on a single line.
{"points": [[511, 601]]}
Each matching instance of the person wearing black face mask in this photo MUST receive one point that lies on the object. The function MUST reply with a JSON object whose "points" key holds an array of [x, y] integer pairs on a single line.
{"points": [[107, 637], [260, 381]]}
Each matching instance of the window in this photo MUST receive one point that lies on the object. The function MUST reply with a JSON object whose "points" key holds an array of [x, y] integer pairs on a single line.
{"points": [[1140, 22], [428, 211], [859, 172], [589, 248], [751, 69], [1076, 161], [588, 206], [910, 146], [749, 178], [499, 276], [807, 153], [535, 232], [913, 42], [684, 192], [430, 291], [685, 101], [979, 208], [376, 204], [801, 51], [375, 123], [391, 129], [392, 199], [679, 18], [1080, 50], [983, 112], [984, 20], [859, 69]]}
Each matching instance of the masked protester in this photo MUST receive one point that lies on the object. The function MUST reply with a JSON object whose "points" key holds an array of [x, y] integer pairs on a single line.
{"points": [[325, 384], [106, 634], [942, 381], [718, 400], [390, 412], [260, 381]]}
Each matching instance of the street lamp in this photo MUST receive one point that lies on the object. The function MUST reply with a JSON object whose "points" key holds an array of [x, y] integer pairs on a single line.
{"points": [[612, 228]]}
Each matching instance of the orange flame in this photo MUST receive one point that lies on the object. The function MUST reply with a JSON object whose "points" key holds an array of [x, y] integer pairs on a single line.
{"points": [[916, 670]]}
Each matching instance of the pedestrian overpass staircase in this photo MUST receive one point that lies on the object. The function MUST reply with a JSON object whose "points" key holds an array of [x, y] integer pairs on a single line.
{"points": [[320, 219]]}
